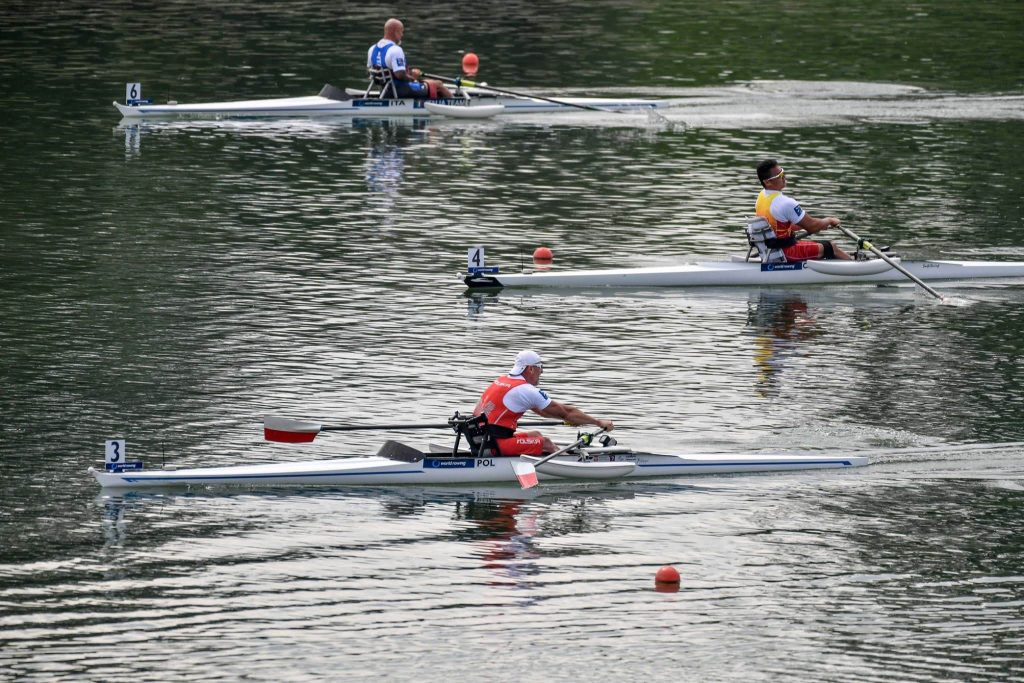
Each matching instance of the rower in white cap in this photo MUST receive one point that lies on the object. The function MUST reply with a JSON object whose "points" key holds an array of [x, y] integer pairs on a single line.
{"points": [[510, 396]]}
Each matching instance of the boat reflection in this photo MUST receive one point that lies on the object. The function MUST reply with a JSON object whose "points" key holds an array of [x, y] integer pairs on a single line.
{"points": [[385, 156], [132, 138], [501, 532], [782, 321], [498, 524], [113, 522], [477, 302], [381, 130], [502, 535], [384, 135], [134, 130]]}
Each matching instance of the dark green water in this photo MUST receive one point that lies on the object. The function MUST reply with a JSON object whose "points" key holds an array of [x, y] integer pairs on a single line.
{"points": [[173, 282]]}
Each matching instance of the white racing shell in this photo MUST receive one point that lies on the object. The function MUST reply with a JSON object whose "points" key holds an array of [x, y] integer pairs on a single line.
{"points": [[601, 463]]}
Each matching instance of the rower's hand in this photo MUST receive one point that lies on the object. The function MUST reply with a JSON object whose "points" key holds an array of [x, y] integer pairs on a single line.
{"points": [[606, 425], [832, 221], [416, 74]]}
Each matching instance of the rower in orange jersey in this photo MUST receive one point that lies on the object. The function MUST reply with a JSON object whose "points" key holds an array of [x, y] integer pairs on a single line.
{"points": [[785, 215], [510, 396]]}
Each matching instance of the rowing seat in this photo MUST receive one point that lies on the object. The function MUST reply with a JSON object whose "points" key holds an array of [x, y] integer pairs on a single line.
{"points": [[382, 80], [759, 233], [474, 428]]}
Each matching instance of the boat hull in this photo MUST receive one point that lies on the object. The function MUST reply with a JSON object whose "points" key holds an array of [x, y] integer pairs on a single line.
{"points": [[741, 273], [317, 105], [436, 469]]}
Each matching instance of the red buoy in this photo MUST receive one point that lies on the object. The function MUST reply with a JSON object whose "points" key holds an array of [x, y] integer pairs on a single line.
{"points": [[542, 254], [667, 574], [470, 64]]}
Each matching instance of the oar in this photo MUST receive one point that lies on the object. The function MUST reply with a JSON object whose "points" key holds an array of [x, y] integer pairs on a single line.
{"points": [[916, 280], [287, 430], [526, 472], [472, 84]]}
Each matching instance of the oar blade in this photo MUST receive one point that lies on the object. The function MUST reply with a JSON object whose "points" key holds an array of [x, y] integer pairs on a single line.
{"points": [[286, 430], [395, 450], [525, 473]]}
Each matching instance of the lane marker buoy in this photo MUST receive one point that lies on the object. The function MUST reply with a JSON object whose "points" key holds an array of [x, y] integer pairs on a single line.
{"points": [[667, 574]]}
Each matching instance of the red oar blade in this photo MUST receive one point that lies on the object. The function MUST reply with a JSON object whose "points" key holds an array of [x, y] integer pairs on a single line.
{"points": [[288, 437], [525, 473], [286, 430]]}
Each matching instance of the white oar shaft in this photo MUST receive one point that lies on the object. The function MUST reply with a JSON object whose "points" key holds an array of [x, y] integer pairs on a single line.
{"points": [[584, 439], [564, 103], [877, 252], [526, 472]]}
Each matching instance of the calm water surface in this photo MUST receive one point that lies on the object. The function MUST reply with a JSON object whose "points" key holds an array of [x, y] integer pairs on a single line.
{"points": [[172, 282]]}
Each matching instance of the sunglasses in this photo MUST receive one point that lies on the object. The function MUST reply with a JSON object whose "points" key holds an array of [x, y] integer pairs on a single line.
{"points": [[780, 174]]}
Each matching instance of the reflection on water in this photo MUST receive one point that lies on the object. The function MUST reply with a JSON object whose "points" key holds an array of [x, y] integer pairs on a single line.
{"points": [[114, 525], [385, 160], [826, 550], [502, 538], [783, 325], [132, 138], [477, 302]]}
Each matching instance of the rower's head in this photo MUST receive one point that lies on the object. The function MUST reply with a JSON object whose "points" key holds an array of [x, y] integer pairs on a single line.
{"points": [[393, 30], [529, 364], [771, 175]]}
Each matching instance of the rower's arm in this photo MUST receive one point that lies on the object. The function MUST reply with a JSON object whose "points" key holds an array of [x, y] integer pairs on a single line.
{"points": [[573, 415], [815, 225], [407, 75]]}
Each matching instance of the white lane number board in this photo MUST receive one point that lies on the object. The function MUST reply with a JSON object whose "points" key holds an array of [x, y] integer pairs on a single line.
{"points": [[115, 451], [476, 257], [132, 92]]}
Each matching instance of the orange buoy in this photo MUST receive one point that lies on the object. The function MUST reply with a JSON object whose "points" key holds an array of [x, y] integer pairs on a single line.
{"points": [[542, 254], [667, 574], [470, 64]]}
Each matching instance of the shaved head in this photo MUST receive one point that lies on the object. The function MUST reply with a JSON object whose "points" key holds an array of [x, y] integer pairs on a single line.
{"points": [[393, 29]]}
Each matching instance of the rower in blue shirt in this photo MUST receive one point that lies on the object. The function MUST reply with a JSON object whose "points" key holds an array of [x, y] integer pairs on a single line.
{"points": [[387, 54]]}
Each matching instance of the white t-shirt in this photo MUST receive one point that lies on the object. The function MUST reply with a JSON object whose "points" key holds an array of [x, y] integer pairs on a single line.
{"points": [[394, 59], [787, 209], [526, 397]]}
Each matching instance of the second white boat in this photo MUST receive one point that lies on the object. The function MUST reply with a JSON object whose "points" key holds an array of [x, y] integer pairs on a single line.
{"points": [[747, 273]]}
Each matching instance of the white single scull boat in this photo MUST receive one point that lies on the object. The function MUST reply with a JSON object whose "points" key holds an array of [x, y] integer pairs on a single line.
{"points": [[739, 272], [334, 102], [434, 468], [397, 463]]}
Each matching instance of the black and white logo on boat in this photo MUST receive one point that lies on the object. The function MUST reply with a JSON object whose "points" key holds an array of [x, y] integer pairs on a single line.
{"points": [[447, 463]]}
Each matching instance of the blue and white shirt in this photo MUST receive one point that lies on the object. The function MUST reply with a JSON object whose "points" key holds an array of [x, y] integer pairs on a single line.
{"points": [[386, 54]]}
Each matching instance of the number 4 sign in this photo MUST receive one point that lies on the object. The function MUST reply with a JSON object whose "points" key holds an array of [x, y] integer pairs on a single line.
{"points": [[476, 258]]}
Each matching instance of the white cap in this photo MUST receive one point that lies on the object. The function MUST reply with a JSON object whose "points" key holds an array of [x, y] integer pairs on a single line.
{"points": [[525, 359]]}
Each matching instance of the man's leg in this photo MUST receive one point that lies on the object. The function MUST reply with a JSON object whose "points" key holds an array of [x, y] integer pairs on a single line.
{"points": [[526, 443]]}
